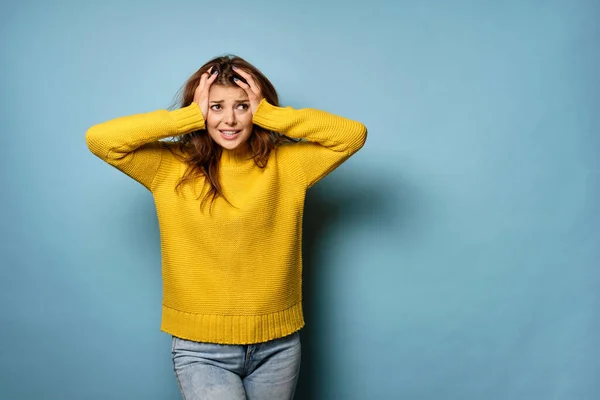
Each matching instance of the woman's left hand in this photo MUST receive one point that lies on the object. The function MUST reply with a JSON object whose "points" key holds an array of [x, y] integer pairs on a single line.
{"points": [[252, 89]]}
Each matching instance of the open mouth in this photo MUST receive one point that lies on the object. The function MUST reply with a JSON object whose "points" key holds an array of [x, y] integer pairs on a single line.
{"points": [[229, 134]]}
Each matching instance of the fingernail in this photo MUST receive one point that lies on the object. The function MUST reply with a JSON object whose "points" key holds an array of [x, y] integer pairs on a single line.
{"points": [[215, 71], [234, 67], [236, 79]]}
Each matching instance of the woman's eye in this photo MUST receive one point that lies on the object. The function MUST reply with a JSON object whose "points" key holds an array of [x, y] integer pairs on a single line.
{"points": [[215, 107], [243, 106]]}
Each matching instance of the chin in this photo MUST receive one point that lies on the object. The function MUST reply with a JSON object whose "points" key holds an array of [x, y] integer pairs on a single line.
{"points": [[228, 144]]}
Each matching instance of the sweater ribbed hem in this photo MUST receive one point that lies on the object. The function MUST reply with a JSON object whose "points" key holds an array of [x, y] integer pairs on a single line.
{"points": [[232, 329]]}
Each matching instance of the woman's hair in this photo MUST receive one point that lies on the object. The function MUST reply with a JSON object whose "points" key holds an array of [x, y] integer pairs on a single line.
{"points": [[199, 150]]}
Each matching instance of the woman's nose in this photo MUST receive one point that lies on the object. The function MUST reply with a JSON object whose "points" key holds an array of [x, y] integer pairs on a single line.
{"points": [[229, 118]]}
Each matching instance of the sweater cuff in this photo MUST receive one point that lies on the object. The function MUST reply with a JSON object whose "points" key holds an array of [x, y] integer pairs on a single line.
{"points": [[271, 117], [188, 119]]}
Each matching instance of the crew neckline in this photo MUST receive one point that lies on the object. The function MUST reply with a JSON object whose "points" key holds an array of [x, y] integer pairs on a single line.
{"points": [[236, 158]]}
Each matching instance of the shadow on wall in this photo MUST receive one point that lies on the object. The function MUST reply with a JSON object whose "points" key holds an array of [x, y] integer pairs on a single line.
{"points": [[339, 201]]}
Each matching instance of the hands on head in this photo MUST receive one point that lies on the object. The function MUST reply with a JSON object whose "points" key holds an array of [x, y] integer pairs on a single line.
{"points": [[251, 88], [203, 89], [201, 94]]}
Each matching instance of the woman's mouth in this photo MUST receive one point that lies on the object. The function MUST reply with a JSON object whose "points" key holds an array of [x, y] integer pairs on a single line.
{"points": [[229, 134]]}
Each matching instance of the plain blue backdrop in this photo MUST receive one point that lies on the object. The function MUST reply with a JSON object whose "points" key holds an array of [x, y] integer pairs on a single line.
{"points": [[454, 257]]}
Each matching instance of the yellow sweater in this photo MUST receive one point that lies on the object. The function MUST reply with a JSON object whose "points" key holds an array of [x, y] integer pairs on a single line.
{"points": [[233, 276]]}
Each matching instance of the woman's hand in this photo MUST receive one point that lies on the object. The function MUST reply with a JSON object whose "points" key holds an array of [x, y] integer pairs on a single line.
{"points": [[251, 88], [201, 93]]}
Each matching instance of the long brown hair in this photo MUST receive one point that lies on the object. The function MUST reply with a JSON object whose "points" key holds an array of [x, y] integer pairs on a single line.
{"points": [[199, 150]]}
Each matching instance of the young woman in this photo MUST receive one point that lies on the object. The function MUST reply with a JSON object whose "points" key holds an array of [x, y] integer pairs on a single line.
{"points": [[229, 171]]}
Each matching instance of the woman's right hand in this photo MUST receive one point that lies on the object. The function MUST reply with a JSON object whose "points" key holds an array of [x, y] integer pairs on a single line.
{"points": [[201, 93]]}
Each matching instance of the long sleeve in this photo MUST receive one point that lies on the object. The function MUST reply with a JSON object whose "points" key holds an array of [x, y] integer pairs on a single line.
{"points": [[329, 140], [131, 143]]}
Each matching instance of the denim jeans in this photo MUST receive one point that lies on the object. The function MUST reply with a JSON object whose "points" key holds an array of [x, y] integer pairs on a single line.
{"points": [[260, 371]]}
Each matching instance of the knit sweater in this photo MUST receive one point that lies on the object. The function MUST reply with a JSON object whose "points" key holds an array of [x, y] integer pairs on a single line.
{"points": [[234, 275]]}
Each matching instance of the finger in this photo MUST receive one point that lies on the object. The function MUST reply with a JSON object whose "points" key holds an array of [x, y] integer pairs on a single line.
{"points": [[244, 86], [213, 76], [210, 75], [248, 77], [202, 82], [206, 80], [251, 83]]}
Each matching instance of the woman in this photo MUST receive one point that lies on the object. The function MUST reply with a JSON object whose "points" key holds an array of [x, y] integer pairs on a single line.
{"points": [[229, 190]]}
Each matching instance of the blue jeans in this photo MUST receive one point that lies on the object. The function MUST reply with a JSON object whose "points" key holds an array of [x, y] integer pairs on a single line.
{"points": [[211, 371]]}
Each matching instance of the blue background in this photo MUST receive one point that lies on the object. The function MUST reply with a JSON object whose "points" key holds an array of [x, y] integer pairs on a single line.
{"points": [[455, 257]]}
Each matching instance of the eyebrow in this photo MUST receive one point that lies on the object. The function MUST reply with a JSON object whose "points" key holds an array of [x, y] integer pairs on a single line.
{"points": [[237, 101]]}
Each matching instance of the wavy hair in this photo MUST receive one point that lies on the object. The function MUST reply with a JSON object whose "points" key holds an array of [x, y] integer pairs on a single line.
{"points": [[199, 151]]}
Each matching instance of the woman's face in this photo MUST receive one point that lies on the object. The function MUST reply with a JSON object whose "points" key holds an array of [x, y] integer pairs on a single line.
{"points": [[229, 119]]}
